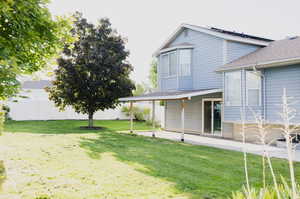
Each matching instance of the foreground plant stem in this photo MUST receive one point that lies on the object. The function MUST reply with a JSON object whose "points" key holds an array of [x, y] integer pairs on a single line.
{"points": [[287, 115]]}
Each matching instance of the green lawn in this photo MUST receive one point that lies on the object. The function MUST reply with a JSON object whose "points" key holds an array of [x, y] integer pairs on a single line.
{"points": [[129, 166], [69, 126]]}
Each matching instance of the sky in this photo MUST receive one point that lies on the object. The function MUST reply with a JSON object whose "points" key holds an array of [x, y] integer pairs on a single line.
{"points": [[148, 23]]}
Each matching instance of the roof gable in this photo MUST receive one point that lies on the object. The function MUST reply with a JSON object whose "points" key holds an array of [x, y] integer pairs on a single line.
{"points": [[228, 35], [278, 53]]}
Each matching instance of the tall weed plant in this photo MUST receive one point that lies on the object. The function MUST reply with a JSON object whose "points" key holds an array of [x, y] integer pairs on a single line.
{"points": [[277, 189]]}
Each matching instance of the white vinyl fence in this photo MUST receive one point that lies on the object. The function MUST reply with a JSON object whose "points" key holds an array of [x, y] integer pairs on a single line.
{"points": [[37, 106]]}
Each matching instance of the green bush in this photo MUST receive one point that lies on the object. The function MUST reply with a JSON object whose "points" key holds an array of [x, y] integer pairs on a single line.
{"points": [[156, 123], [162, 103], [6, 110], [139, 114]]}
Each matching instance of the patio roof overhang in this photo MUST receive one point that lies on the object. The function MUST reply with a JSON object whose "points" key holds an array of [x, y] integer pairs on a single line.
{"points": [[170, 95]]}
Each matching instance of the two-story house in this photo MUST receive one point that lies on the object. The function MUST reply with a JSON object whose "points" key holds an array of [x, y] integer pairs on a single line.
{"points": [[206, 78]]}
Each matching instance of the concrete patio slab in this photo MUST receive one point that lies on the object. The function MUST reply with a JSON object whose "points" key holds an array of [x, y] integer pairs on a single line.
{"points": [[224, 144]]}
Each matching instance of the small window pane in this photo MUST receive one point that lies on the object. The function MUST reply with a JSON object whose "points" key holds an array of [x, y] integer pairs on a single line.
{"points": [[233, 88], [173, 64], [253, 88], [165, 65], [185, 62]]}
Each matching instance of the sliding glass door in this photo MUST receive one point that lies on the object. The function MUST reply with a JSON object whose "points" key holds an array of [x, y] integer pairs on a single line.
{"points": [[212, 116]]}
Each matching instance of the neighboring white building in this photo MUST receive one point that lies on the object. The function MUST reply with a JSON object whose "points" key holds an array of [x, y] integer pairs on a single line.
{"points": [[37, 106]]}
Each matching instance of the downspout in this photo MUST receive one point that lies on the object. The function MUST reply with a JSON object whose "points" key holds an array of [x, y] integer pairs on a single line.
{"points": [[264, 92], [243, 86], [177, 63]]}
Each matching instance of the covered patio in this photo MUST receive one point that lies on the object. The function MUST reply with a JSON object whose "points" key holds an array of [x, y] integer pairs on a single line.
{"points": [[182, 96]]}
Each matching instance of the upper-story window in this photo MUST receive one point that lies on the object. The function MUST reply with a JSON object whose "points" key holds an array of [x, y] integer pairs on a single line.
{"points": [[173, 63], [233, 88], [253, 88], [185, 62], [176, 63]]}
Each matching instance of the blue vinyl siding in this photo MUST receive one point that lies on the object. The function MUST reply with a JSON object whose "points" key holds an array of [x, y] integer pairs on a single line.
{"points": [[208, 57], [185, 83], [169, 83], [276, 80], [232, 113], [237, 50]]}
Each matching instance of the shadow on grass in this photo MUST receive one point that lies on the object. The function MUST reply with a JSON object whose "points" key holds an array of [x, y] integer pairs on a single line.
{"points": [[69, 126], [197, 170], [2, 174]]}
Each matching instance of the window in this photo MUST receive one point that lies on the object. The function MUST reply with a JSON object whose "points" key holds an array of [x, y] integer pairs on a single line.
{"points": [[170, 65], [253, 88], [165, 65], [173, 64], [185, 62], [233, 88]]}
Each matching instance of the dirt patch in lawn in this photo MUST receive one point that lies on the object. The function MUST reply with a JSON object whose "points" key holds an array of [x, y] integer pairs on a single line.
{"points": [[56, 166], [92, 128]]}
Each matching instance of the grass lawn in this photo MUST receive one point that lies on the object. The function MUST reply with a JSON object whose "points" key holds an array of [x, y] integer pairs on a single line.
{"points": [[58, 159]]}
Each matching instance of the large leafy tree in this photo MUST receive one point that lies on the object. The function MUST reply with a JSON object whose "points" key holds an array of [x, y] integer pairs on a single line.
{"points": [[153, 74], [93, 73], [141, 89], [29, 37]]}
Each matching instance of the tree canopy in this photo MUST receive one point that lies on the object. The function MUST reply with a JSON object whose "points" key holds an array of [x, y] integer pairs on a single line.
{"points": [[29, 37], [93, 73], [141, 89], [153, 74]]}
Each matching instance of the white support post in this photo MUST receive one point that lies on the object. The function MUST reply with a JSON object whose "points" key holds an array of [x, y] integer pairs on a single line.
{"points": [[212, 117], [153, 118], [182, 120], [131, 117]]}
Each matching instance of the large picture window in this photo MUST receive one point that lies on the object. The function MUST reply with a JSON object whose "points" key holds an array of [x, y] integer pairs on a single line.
{"points": [[233, 88], [185, 62], [253, 88]]}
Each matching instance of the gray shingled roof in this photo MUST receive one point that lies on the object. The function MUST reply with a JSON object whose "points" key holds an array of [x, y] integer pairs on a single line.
{"points": [[275, 54], [41, 84], [168, 95]]}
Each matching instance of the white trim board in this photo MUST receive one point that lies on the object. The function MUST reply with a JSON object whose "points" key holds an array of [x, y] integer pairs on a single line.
{"points": [[266, 64], [171, 97], [175, 48]]}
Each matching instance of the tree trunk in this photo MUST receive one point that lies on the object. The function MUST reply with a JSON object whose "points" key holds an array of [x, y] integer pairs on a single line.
{"points": [[91, 121]]}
